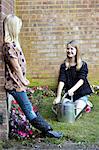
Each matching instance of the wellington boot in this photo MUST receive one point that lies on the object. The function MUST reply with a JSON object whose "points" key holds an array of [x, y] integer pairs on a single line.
{"points": [[42, 125]]}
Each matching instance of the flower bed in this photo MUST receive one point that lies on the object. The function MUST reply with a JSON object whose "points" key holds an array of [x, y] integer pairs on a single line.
{"points": [[19, 126]]}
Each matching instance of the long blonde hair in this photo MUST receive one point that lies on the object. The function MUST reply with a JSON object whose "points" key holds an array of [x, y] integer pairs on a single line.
{"points": [[12, 25], [78, 60]]}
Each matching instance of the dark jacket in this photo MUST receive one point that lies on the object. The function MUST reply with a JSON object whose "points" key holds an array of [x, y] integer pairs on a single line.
{"points": [[71, 76]]}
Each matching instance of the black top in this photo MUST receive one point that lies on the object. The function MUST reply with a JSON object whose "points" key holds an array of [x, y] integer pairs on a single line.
{"points": [[71, 76]]}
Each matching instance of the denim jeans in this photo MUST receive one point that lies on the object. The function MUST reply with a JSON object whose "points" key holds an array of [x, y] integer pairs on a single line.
{"points": [[80, 104], [25, 104], [84, 98]]}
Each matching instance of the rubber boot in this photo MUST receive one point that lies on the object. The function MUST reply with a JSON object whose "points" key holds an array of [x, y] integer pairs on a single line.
{"points": [[40, 124]]}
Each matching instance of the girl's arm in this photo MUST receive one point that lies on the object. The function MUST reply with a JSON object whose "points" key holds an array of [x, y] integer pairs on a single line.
{"points": [[60, 88], [75, 87], [62, 80], [18, 71], [59, 91]]}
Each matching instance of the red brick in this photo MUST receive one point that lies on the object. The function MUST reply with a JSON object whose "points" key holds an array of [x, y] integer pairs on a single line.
{"points": [[52, 24], [6, 7]]}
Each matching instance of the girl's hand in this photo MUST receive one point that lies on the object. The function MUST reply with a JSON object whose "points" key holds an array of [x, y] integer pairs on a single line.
{"points": [[70, 92], [26, 82], [57, 100]]}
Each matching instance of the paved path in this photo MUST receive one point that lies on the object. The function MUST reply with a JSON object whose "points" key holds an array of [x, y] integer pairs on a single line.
{"points": [[44, 146]]}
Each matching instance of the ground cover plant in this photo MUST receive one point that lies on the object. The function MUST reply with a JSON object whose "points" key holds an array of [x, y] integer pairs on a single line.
{"points": [[84, 130]]}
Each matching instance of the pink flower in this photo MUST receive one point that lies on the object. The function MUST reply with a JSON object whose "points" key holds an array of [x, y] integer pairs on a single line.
{"points": [[34, 88], [23, 134], [35, 109], [13, 110], [14, 102], [30, 132], [20, 110], [23, 117], [40, 88]]}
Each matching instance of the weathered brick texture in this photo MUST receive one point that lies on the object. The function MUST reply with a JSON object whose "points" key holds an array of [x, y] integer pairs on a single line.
{"points": [[48, 24], [6, 7]]}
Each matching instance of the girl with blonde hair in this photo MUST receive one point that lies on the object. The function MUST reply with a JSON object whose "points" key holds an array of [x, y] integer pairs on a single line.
{"points": [[73, 78], [15, 75]]}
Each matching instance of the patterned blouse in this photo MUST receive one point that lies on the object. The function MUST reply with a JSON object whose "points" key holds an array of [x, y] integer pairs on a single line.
{"points": [[12, 81]]}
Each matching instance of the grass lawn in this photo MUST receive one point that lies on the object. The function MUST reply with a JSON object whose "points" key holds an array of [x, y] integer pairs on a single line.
{"points": [[85, 129]]}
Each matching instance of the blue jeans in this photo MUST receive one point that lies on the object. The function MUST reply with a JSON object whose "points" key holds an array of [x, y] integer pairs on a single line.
{"points": [[25, 104], [84, 98]]}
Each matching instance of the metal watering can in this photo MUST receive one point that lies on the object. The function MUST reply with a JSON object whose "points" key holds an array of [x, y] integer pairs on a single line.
{"points": [[65, 110]]}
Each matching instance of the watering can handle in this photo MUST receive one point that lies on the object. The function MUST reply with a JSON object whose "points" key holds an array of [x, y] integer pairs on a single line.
{"points": [[54, 110], [66, 95]]}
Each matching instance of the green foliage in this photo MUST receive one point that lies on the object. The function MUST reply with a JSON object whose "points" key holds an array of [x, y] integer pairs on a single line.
{"points": [[1, 145], [84, 130], [52, 83], [96, 89], [5, 144]]}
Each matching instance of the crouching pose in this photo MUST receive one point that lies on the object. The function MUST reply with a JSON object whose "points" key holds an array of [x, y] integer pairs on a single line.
{"points": [[73, 77], [15, 75]]}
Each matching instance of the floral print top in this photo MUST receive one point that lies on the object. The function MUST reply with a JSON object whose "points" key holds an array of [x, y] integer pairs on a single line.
{"points": [[12, 81]]}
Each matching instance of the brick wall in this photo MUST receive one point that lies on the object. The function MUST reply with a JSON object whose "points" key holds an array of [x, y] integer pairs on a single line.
{"points": [[6, 7], [48, 24]]}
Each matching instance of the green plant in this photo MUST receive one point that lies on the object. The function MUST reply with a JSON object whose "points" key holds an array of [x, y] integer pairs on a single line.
{"points": [[84, 130]]}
